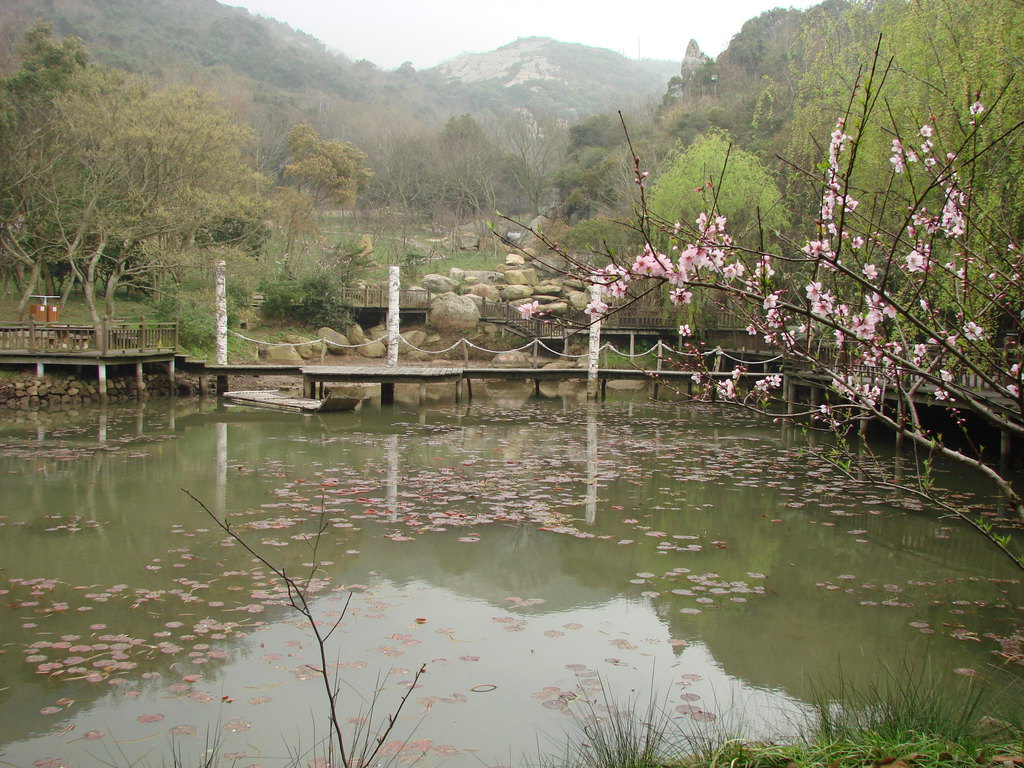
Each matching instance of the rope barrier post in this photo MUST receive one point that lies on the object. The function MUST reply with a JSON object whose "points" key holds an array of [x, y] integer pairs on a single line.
{"points": [[220, 291], [632, 344], [593, 362], [465, 352], [536, 344], [659, 353], [394, 315]]}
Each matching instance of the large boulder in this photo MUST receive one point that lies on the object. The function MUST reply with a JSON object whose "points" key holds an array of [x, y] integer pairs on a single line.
{"points": [[337, 343], [547, 289], [374, 349], [283, 355], [355, 334], [578, 299], [303, 347], [556, 308], [521, 277], [415, 337], [514, 292], [439, 283], [451, 312], [485, 291], [476, 276], [377, 332]]}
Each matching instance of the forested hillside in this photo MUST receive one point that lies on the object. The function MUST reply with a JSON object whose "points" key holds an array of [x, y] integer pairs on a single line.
{"points": [[324, 150]]}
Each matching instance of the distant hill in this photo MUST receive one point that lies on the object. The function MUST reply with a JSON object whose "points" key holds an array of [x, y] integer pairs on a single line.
{"points": [[561, 76], [206, 41]]}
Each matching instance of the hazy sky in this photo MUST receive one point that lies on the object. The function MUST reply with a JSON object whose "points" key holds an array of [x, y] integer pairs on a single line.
{"points": [[427, 32]]}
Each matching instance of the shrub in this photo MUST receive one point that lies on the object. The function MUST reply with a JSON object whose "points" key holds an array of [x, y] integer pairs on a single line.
{"points": [[313, 302]]}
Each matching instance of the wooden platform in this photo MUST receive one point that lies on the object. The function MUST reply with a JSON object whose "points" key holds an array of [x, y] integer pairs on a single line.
{"points": [[315, 376], [272, 398]]}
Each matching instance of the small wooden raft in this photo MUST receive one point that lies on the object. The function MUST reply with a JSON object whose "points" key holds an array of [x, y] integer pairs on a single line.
{"points": [[272, 398]]}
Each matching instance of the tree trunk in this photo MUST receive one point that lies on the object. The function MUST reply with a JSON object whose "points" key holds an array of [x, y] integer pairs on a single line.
{"points": [[31, 278]]}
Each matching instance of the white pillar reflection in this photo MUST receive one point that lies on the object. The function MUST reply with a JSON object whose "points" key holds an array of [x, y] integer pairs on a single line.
{"points": [[220, 499], [391, 448], [591, 499]]}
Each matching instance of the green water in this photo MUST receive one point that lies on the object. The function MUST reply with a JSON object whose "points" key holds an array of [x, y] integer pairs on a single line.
{"points": [[536, 554]]}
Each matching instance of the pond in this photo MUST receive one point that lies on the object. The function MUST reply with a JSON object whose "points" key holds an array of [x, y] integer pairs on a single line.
{"points": [[542, 556]]}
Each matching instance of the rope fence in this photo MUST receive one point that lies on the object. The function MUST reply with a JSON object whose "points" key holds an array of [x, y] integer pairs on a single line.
{"points": [[659, 350]]}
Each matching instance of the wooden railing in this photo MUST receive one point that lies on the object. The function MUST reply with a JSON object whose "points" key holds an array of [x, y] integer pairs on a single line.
{"points": [[378, 297], [107, 338]]}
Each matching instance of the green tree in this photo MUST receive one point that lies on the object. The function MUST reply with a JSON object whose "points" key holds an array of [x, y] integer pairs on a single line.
{"points": [[328, 172], [27, 149], [712, 169], [320, 173], [126, 183]]}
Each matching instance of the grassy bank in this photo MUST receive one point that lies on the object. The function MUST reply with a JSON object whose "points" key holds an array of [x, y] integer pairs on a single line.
{"points": [[902, 722]]}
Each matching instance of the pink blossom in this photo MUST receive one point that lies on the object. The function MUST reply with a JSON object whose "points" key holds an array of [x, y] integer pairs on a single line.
{"points": [[917, 261], [727, 389], [685, 330], [680, 296], [596, 309], [974, 332], [528, 310], [926, 130], [870, 271], [815, 248], [897, 156], [977, 108], [734, 270]]}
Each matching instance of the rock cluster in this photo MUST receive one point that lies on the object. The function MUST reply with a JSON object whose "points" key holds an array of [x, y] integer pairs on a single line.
{"points": [[461, 293]]}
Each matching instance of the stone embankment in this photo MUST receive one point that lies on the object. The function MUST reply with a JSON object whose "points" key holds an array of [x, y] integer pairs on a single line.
{"points": [[23, 391]]}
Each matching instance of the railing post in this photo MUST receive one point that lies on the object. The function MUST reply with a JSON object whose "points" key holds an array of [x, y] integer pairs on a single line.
{"points": [[31, 334], [142, 334], [104, 337]]}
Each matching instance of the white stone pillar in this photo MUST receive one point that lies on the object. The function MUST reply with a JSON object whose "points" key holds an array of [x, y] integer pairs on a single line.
{"points": [[593, 361], [394, 299], [221, 293]]}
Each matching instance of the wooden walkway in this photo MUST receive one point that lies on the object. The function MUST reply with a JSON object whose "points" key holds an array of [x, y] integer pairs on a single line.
{"points": [[315, 377]]}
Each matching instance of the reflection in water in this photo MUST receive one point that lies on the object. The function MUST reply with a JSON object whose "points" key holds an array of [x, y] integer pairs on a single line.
{"points": [[694, 554], [591, 504], [391, 447], [220, 507]]}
